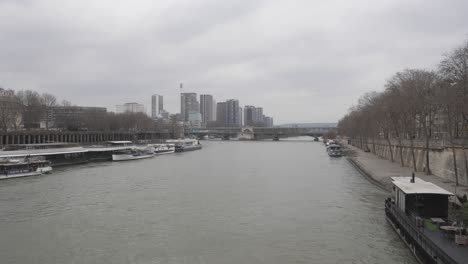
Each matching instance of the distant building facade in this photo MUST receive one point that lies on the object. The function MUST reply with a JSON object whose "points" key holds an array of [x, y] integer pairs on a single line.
{"points": [[6, 93], [188, 104], [157, 106], [249, 115], [221, 114], [229, 114], [206, 108], [71, 117], [253, 116], [195, 119], [10, 110], [130, 108]]}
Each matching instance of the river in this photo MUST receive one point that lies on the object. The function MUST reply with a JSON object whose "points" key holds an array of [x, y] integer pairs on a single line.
{"points": [[231, 202]]}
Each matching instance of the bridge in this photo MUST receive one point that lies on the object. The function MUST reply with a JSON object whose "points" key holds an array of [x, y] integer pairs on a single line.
{"points": [[257, 133]]}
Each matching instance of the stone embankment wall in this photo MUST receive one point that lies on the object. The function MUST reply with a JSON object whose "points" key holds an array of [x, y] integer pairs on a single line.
{"points": [[440, 156]]}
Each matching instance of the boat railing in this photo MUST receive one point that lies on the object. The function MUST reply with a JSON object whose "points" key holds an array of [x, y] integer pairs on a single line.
{"points": [[413, 228]]}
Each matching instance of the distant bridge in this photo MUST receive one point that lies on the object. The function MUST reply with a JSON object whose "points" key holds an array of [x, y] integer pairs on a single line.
{"points": [[256, 133]]}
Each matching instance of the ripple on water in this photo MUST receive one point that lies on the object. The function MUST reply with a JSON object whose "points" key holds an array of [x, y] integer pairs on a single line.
{"points": [[232, 202]]}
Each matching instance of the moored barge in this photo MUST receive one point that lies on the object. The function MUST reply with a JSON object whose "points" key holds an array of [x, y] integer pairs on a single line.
{"points": [[418, 211]]}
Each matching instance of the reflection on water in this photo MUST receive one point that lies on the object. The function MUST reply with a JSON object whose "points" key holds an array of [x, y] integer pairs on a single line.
{"points": [[232, 202]]}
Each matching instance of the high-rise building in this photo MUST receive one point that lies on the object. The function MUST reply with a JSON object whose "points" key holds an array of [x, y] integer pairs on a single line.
{"points": [[214, 110], [258, 117], [188, 104], [157, 106], [268, 121], [233, 118], [206, 108], [130, 108], [221, 114], [240, 116], [249, 115], [229, 114]]}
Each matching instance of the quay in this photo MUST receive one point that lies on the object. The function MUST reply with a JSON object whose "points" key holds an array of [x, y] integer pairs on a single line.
{"points": [[380, 171]]}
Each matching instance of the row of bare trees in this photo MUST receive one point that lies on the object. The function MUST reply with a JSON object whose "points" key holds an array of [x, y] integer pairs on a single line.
{"points": [[27, 109], [416, 105]]}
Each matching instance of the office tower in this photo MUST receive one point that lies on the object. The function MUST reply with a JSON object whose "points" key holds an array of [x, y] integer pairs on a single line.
{"points": [[232, 115], [188, 104], [156, 106], [206, 108]]}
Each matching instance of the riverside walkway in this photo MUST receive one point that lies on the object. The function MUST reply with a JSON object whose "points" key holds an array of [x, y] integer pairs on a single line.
{"points": [[379, 171]]}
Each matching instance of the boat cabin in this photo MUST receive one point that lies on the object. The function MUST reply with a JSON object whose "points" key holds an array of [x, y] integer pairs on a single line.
{"points": [[417, 197]]}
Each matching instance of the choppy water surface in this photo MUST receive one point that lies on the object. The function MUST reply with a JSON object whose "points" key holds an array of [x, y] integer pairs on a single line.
{"points": [[232, 202]]}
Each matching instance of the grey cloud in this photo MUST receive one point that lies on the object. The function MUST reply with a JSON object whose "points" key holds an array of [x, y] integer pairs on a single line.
{"points": [[301, 60]]}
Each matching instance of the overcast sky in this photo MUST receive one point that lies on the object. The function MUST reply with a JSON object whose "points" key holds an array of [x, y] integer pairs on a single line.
{"points": [[303, 61]]}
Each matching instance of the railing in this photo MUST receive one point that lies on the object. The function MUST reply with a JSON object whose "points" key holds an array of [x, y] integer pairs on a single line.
{"points": [[417, 143], [414, 231]]}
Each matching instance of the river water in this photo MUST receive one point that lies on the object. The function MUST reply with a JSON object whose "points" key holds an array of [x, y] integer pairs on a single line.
{"points": [[231, 202]]}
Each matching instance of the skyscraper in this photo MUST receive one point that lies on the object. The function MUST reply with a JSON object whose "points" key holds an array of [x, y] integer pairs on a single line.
{"points": [[221, 112], [188, 104], [233, 118], [249, 115], [240, 116], [156, 106], [206, 108], [258, 118], [214, 110]]}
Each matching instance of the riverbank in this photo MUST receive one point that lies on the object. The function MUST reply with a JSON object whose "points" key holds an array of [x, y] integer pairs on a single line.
{"points": [[380, 171]]}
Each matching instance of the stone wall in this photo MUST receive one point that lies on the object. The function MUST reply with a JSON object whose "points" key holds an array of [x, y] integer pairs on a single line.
{"points": [[440, 157]]}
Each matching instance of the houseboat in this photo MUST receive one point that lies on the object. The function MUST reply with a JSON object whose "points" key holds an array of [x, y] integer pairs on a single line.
{"points": [[23, 167], [133, 154], [418, 211], [188, 144], [58, 153], [334, 150], [161, 149]]}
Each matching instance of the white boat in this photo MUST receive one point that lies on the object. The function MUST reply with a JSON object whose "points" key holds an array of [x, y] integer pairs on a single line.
{"points": [[24, 167], [132, 154], [186, 144], [161, 149], [334, 150]]}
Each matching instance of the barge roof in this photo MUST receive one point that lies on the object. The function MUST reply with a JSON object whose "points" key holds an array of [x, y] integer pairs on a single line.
{"points": [[419, 186], [40, 152]]}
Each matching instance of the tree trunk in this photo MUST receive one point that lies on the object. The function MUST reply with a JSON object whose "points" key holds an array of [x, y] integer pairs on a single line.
{"points": [[426, 135], [428, 169], [373, 146], [412, 153], [390, 147], [399, 142], [464, 149], [454, 154], [360, 138]]}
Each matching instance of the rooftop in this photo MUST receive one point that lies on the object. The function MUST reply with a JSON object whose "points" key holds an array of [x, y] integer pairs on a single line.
{"points": [[119, 142], [419, 186]]}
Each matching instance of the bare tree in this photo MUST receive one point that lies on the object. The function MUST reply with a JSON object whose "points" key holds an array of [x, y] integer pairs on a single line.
{"points": [[31, 108], [10, 112], [49, 102]]}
